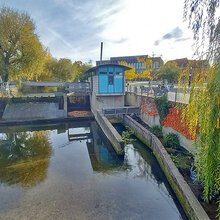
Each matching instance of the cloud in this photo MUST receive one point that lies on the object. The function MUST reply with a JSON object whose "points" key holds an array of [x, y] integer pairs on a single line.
{"points": [[182, 39], [157, 42], [175, 34], [119, 41], [69, 27]]}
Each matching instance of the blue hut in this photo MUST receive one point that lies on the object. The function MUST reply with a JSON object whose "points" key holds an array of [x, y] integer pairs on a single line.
{"points": [[108, 85]]}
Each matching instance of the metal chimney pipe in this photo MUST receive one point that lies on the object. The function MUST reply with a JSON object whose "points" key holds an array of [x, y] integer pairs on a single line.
{"points": [[101, 51]]}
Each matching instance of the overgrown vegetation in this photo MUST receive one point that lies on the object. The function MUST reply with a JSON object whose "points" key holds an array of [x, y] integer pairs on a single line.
{"points": [[156, 130], [126, 135], [183, 161], [172, 140], [202, 112], [162, 107]]}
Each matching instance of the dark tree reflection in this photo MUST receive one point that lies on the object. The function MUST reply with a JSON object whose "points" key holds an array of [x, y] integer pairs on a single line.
{"points": [[24, 158]]}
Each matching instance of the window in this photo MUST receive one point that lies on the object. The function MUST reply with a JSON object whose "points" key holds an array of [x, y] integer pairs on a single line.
{"points": [[102, 73], [156, 65], [111, 73], [111, 80], [135, 65]]}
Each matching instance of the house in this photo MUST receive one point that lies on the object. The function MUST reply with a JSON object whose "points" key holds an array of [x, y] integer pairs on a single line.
{"points": [[108, 86]]}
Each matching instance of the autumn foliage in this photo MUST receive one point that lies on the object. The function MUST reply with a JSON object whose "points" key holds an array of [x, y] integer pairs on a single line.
{"points": [[149, 107], [174, 120]]}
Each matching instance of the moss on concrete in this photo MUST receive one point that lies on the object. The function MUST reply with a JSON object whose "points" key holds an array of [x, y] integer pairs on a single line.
{"points": [[189, 210]]}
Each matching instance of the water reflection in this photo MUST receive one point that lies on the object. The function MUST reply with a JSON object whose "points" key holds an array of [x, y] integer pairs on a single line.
{"points": [[24, 157], [146, 163], [80, 176], [102, 156]]}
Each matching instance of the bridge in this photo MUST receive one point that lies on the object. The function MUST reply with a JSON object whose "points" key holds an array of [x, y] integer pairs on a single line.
{"points": [[76, 87], [120, 111]]}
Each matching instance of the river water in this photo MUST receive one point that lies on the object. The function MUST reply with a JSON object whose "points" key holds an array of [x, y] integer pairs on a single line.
{"points": [[70, 171]]}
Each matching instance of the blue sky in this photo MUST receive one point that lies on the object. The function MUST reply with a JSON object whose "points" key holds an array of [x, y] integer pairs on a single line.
{"points": [[74, 28]]}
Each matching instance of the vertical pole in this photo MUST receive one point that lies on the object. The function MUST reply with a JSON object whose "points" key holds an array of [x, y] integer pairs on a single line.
{"points": [[101, 51], [175, 96], [65, 107]]}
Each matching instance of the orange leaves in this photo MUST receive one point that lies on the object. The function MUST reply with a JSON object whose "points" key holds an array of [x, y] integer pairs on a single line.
{"points": [[173, 120], [149, 108]]}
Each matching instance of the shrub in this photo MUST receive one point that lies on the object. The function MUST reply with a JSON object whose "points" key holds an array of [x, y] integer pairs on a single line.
{"points": [[156, 130], [172, 140], [162, 107], [126, 135]]}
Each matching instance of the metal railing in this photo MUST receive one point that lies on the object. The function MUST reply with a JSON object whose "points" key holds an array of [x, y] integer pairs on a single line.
{"points": [[4, 86], [80, 87], [120, 111]]}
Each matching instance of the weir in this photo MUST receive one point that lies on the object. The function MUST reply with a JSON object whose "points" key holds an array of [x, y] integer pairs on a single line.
{"points": [[105, 96]]}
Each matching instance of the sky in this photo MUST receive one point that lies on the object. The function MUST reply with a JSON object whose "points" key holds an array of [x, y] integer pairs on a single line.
{"points": [[74, 29]]}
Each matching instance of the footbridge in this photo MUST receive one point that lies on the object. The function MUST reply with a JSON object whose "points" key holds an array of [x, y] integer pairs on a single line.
{"points": [[76, 87], [128, 110]]}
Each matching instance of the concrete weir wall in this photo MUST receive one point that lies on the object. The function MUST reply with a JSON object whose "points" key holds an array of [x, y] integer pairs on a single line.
{"points": [[32, 111], [183, 192], [113, 136]]}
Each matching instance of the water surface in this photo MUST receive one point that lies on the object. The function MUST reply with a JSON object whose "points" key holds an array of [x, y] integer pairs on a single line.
{"points": [[70, 171]]}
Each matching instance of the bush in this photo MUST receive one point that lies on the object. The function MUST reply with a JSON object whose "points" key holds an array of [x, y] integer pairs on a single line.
{"points": [[126, 135], [163, 107], [172, 140], [156, 130]]}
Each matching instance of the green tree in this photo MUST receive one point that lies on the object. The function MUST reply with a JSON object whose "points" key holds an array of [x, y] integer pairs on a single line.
{"points": [[80, 69], [21, 54], [61, 70], [169, 71], [202, 111]]}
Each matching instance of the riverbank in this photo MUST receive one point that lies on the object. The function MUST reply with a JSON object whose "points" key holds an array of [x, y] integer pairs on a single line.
{"points": [[183, 161]]}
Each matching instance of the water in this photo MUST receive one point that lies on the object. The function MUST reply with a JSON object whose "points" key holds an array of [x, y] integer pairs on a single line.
{"points": [[70, 171]]}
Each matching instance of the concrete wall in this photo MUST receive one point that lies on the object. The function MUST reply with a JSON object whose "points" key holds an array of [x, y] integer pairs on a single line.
{"points": [[183, 192], [32, 111], [100, 101], [113, 136], [184, 142], [135, 100]]}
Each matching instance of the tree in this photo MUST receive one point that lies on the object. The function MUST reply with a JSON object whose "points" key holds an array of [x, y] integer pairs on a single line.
{"points": [[202, 111], [62, 70], [145, 73], [169, 71], [80, 69], [21, 54], [204, 24], [129, 74]]}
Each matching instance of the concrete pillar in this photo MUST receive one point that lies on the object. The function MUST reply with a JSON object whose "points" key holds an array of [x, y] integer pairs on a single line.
{"points": [[65, 103]]}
